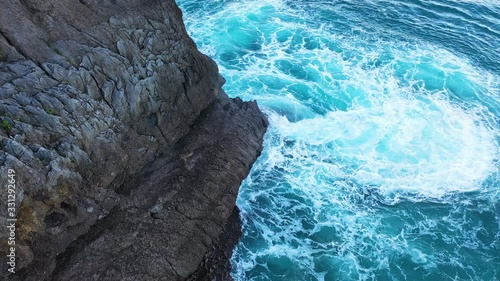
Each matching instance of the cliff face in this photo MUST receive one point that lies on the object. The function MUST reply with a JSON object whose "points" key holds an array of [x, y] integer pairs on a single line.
{"points": [[127, 153]]}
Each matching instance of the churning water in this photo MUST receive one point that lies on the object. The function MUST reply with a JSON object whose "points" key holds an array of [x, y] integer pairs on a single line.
{"points": [[382, 157]]}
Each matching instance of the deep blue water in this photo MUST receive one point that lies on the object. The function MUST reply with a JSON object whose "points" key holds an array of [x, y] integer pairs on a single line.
{"points": [[382, 157]]}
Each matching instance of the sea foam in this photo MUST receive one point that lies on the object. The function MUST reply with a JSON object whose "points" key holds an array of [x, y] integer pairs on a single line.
{"points": [[382, 157]]}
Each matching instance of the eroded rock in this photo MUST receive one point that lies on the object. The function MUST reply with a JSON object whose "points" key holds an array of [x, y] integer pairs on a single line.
{"points": [[128, 154]]}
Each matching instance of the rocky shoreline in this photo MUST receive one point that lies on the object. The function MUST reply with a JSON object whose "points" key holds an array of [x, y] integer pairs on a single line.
{"points": [[127, 153]]}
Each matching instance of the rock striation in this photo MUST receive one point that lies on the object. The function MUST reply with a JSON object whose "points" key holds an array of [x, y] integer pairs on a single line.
{"points": [[127, 153]]}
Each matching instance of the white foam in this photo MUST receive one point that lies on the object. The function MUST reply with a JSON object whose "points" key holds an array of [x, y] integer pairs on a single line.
{"points": [[428, 152], [388, 135]]}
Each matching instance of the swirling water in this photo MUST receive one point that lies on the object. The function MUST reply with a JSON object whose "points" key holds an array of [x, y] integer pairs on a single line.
{"points": [[382, 157]]}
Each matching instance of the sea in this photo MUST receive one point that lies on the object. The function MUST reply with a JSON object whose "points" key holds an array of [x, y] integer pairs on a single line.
{"points": [[382, 159]]}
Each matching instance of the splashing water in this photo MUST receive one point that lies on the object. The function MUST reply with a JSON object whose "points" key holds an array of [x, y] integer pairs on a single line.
{"points": [[382, 158]]}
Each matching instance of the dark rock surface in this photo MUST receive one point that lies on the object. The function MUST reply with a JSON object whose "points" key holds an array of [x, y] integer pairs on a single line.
{"points": [[128, 154]]}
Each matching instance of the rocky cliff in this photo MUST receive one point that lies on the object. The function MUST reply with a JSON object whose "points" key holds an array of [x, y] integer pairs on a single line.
{"points": [[127, 153]]}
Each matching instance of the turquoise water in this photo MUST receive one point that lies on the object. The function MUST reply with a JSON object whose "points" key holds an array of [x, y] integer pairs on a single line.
{"points": [[382, 157]]}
